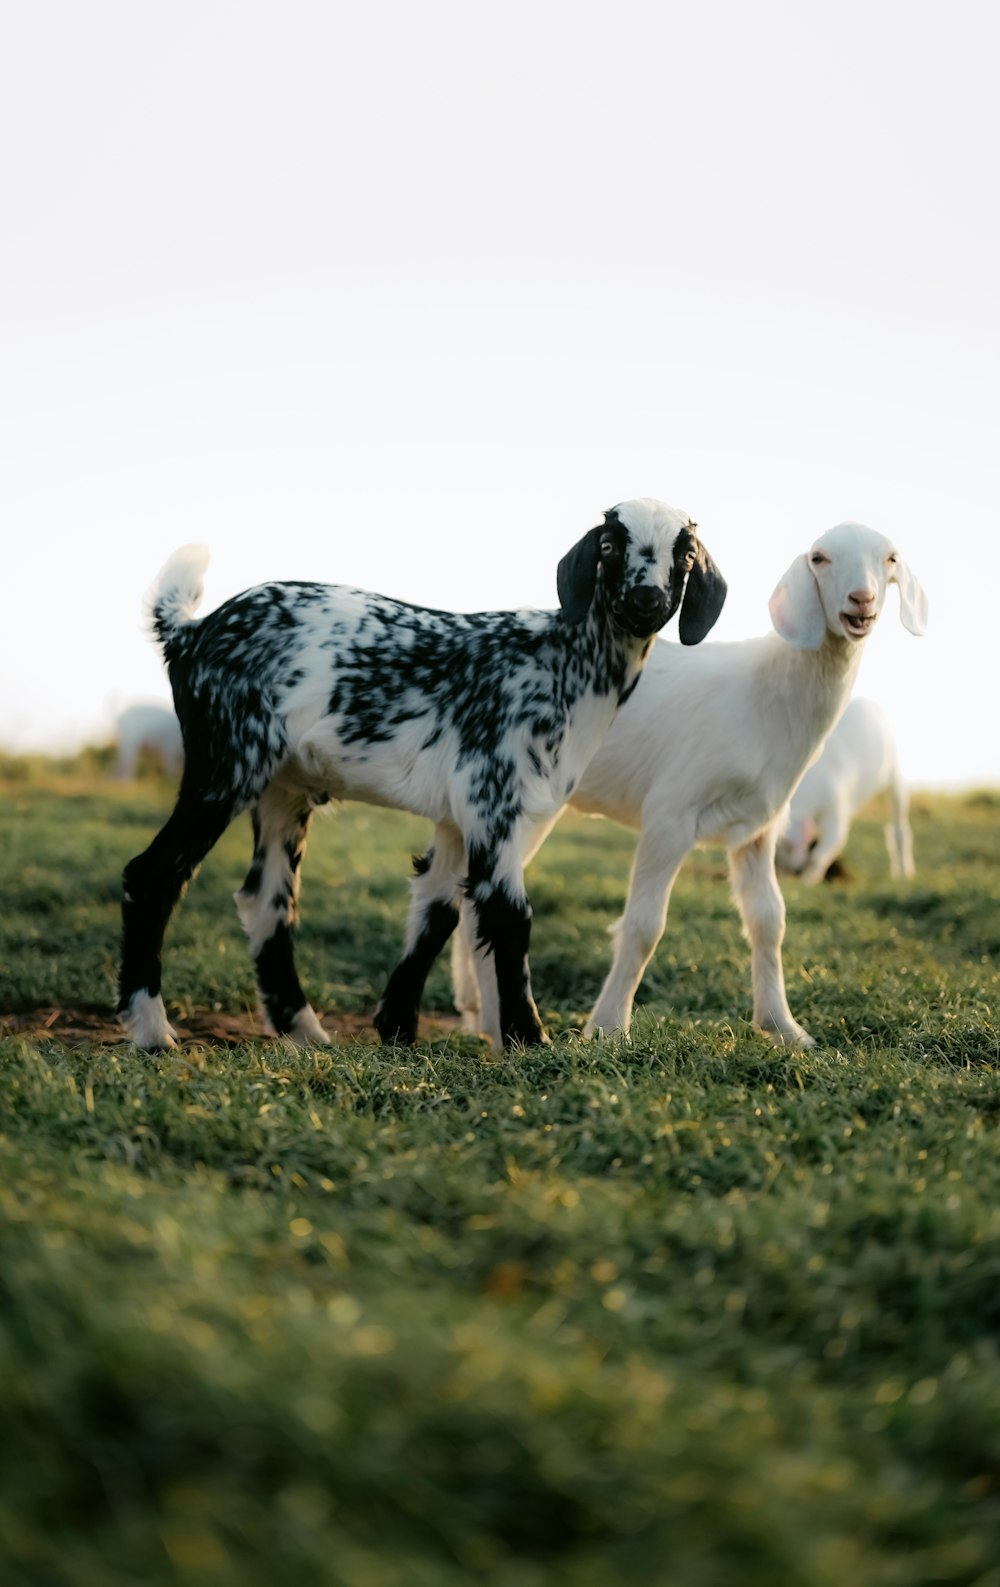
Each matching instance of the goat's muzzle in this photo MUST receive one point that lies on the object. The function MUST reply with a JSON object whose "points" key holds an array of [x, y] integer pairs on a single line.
{"points": [[858, 625], [643, 611]]}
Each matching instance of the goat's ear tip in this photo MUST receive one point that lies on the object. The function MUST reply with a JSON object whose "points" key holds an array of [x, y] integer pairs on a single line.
{"points": [[913, 607]]}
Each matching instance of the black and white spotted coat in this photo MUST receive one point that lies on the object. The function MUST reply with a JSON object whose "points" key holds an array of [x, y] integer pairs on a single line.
{"points": [[295, 693]]}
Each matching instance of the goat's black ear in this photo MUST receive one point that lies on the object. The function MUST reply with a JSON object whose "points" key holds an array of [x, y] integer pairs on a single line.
{"points": [[704, 598], [576, 577]]}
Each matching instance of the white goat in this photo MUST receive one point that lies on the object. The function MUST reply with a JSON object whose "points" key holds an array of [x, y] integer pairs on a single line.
{"points": [[148, 727], [710, 748], [859, 760]]}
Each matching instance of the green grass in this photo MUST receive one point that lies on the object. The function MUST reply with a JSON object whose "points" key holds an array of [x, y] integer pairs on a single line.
{"points": [[689, 1311]]}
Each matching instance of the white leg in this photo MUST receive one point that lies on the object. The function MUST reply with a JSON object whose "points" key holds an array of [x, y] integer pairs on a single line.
{"points": [[658, 858], [465, 970], [762, 910], [489, 995], [898, 836], [832, 838], [474, 980]]}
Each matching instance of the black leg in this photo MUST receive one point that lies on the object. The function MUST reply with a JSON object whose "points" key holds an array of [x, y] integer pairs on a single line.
{"points": [[153, 883], [399, 1007], [505, 930], [268, 905], [432, 919]]}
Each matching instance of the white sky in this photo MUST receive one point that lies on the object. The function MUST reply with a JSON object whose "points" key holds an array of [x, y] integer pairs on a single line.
{"points": [[405, 295]]}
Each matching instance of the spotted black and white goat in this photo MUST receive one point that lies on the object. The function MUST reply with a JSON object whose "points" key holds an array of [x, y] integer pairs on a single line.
{"points": [[293, 693], [710, 749]]}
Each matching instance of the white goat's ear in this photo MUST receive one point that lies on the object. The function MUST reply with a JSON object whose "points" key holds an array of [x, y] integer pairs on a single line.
{"points": [[912, 600], [796, 609]]}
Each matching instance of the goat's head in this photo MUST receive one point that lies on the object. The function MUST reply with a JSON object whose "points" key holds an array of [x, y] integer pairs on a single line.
{"points": [[796, 843], [838, 587], [648, 561]]}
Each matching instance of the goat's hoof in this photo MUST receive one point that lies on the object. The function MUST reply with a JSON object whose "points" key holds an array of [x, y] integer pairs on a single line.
{"points": [[526, 1035], [607, 1028], [162, 1043], [393, 1027], [145, 1020], [792, 1036], [306, 1030]]}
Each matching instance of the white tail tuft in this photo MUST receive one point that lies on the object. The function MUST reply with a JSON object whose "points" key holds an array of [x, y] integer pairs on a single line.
{"points": [[176, 592]]}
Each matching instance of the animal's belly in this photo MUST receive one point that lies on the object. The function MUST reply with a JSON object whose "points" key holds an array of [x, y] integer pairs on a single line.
{"points": [[401, 773]]}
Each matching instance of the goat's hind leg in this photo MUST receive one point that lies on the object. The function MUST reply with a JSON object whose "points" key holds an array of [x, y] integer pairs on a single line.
{"points": [[432, 919], [268, 907], [762, 909], [152, 884]]}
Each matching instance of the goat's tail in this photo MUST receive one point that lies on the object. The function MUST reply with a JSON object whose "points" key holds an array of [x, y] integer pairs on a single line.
{"points": [[176, 594]]}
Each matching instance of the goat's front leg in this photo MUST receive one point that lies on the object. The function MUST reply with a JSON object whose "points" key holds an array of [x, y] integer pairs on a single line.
{"points": [[898, 835], [474, 985], [762, 910], [658, 858], [495, 886], [432, 919], [834, 825], [268, 907], [474, 978]]}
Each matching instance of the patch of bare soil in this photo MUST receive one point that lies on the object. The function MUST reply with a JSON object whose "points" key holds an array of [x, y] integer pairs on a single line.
{"points": [[79, 1026]]}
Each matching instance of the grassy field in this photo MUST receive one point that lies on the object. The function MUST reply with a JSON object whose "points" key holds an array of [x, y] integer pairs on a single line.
{"points": [[688, 1311]]}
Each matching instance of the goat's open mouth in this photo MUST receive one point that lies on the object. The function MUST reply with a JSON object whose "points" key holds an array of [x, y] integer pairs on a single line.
{"points": [[641, 628], [856, 626], [641, 625]]}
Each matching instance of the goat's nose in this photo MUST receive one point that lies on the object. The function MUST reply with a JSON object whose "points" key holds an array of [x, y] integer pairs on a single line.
{"points": [[861, 597], [647, 598]]}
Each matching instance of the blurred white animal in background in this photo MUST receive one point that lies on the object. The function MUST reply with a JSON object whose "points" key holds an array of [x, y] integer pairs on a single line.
{"points": [[151, 728], [859, 760]]}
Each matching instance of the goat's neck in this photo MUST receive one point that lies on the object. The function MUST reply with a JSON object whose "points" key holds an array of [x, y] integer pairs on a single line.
{"points": [[600, 650], [820, 686]]}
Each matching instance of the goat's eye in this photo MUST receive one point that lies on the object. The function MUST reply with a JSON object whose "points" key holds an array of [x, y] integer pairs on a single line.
{"points": [[893, 558], [818, 560], [607, 548]]}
